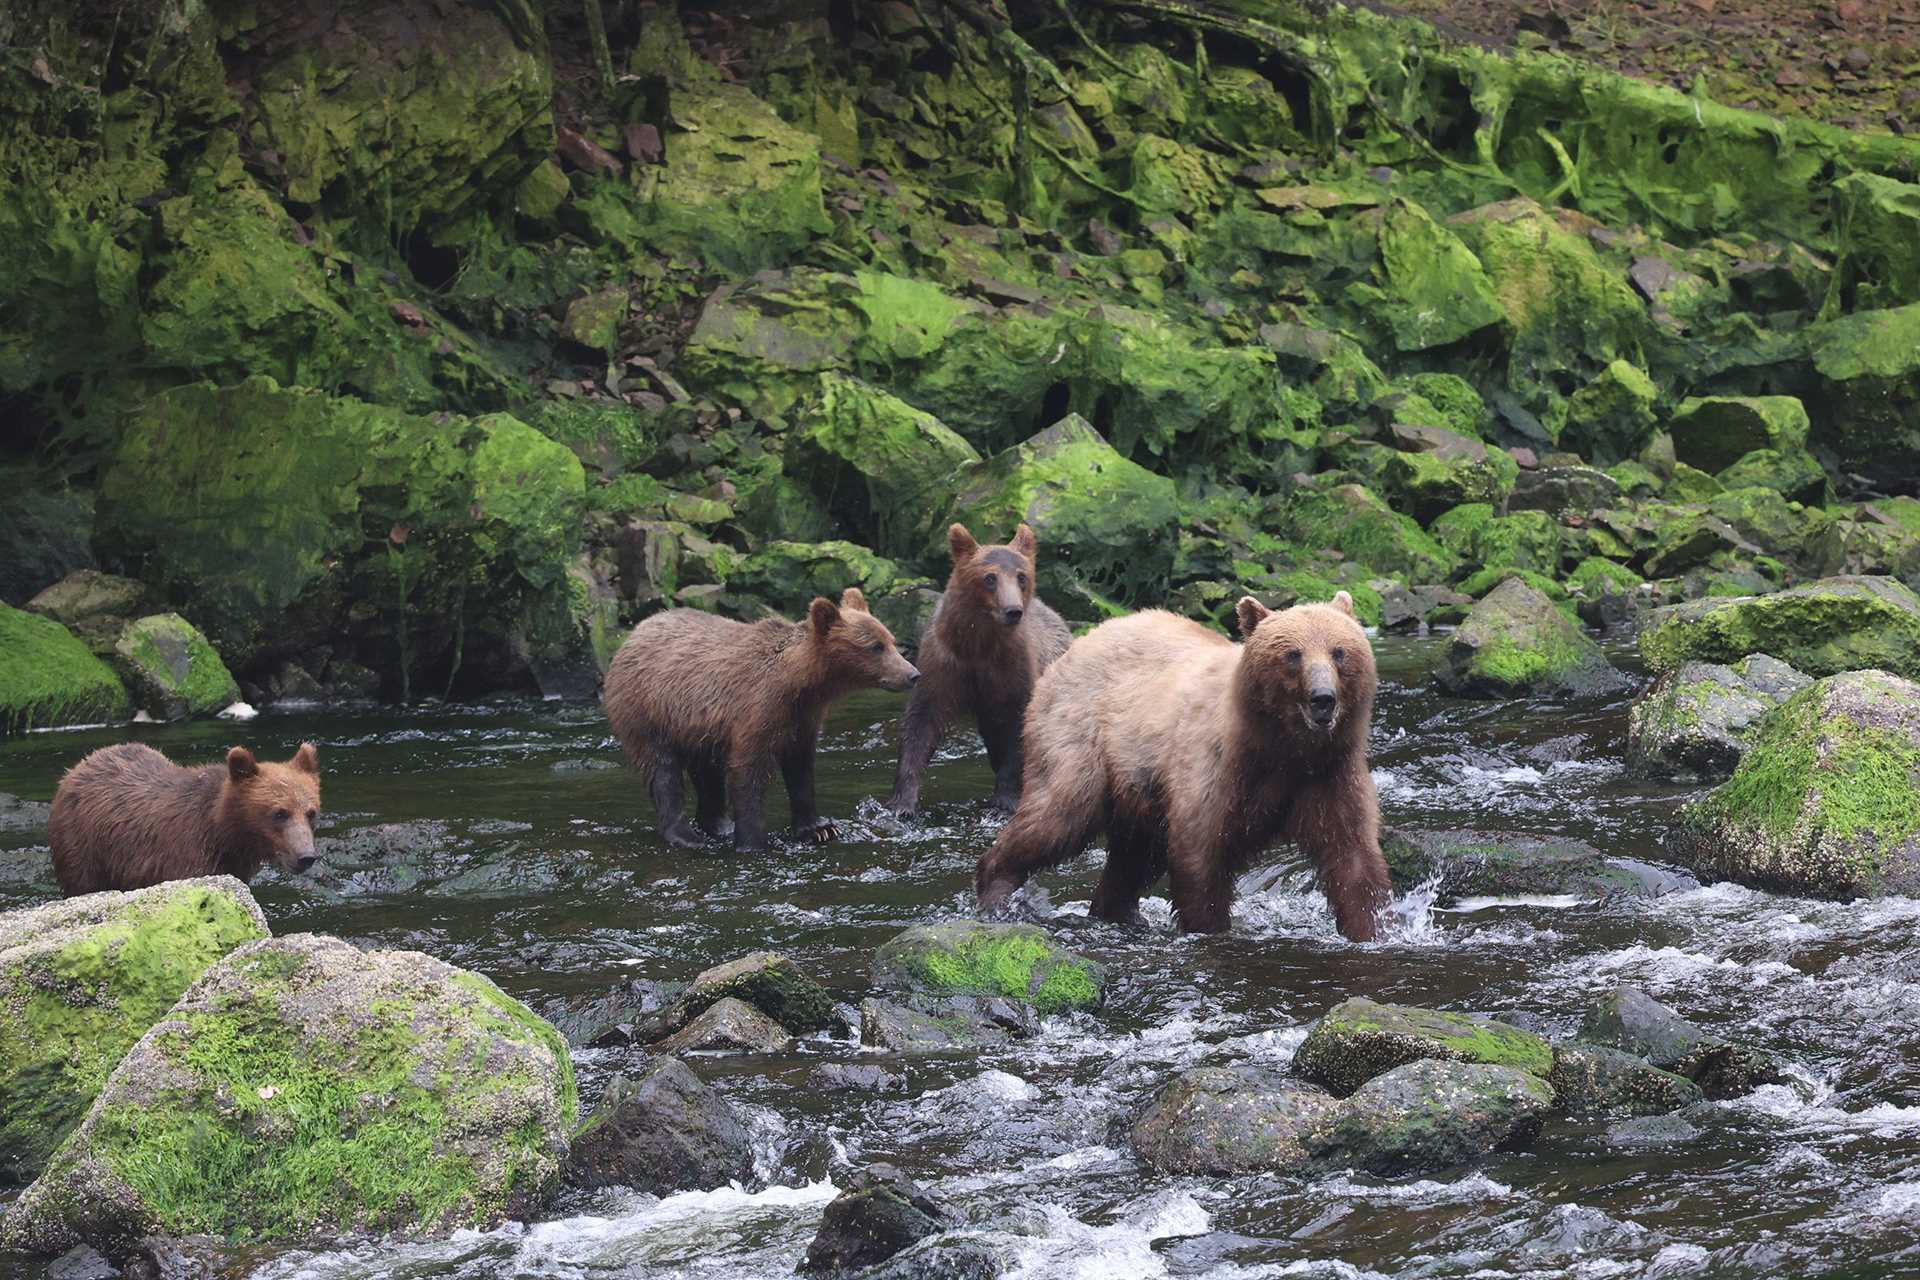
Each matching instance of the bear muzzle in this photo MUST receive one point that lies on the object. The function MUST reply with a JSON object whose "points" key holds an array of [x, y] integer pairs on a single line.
{"points": [[1012, 614], [299, 853], [1323, 706], [901, 679]]}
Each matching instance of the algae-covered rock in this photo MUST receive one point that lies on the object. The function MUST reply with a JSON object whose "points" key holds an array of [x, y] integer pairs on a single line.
{"points": [[593, 319], [1436, 291], [881, 1212], [48, 678], [304, 1089], [1714, 432], [1832, 625], [1793, 474], [1610, 419], [1228, 1120], [172, 671], [1473, 864], [1430, 1115], [81, 980], [93, 605], [1438, 469], [1366, 530], [1868, 364], [727, 1026], [1106, 525], [1524, 540], [1561, 490], [1594, 1080], [1629, 1020], [766, 980], [1693, 724], [1827, 799], [380, 526], [1358, 1039], [1516, 642], [966, 957], [661, 1131]]}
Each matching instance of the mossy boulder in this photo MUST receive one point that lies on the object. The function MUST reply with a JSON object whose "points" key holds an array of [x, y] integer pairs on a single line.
{"points": [[48, 678], [1827, 799], [171, 669], [1516, 642], [303, 1089], [1229, 1120], [382, 528], [765, 980], [787, 575], [964, 957], [81, 980], [93, 605], [1831, 625], [1430, 1115], [1524, 540], [1359, 1039], [1610, 419], [1715, 432], [1629, 1020], [1868, 370], [1435, 290], [1437, 469], [1793, 474], [1107, 526], [1693, 724], [1367, 531]]}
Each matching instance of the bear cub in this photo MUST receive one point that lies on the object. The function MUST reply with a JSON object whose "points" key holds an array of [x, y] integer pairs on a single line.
{"points": [[985, 646], [127, 817], [1192, 754], [694, 693]]}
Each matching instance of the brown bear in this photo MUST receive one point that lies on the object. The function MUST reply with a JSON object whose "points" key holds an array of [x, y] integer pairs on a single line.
{"points": [[1192, 753], [696, 693], [987, 642], [127, 817]]}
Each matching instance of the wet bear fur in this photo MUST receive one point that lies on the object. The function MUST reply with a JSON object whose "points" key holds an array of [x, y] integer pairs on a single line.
{"points": [[983, 650], [1192, 754]]}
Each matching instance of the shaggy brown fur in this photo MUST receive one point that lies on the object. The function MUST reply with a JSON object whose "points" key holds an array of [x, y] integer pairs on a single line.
{"points": [[1192, 753], [690, 692], [987, 642], [127, 817]]}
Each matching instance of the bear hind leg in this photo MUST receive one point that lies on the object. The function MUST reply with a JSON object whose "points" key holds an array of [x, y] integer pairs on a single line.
{"points": [[667, 786], [1136, 857], [710, 791]]}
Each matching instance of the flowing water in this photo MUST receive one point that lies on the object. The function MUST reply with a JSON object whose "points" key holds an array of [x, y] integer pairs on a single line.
{"points": [[544, 874]]}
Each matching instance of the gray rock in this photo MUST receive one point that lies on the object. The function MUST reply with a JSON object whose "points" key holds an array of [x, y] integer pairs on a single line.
{"points": [[1561, 489], [926, 1024], [1359, 1039], [171, 670], [728, 1026], [881, 1212], [1430, 1115], [17, 815], [1516, 642], [1229, 1120], [768, 981], [420, 1095], [93, 605], [663, 1131], [1693, 724], [609, 1019], [1630, 1020], [1470, 864], [852, 1077], [1592, 1080]]}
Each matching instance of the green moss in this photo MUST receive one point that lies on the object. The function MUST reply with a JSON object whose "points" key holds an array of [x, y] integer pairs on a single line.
{"points": [[1524, 540], [1596, 576], [1435, 291], [48, 677], [172, 669], [1016, 961], [1458, 404], [1610, 418], [1823, 627], [1359, 1039], [1367, 531]]}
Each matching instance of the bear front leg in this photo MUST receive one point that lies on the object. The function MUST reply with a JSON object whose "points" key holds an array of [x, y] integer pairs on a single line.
{"points": [[1135, 860], [919, 735], [1200, 883], [747, 796], [1336, 822], [668, 789], [1002, 737], [796, 769]]}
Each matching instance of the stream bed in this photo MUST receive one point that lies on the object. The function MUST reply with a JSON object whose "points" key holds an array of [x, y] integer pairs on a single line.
{"points": [[540, 869]]}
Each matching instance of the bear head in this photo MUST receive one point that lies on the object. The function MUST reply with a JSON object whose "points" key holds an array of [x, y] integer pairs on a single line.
{"points": [[857, 649], [274, 805], [995, 582], [1308, 669]]}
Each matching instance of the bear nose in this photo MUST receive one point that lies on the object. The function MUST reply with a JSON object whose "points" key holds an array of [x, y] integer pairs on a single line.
{"points": [[306, 861], [913, 675], [1014, 613], [1322, 704]]}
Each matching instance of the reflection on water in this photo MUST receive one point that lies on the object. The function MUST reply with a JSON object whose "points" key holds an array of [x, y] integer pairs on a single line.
{"points": [[535, 863]]}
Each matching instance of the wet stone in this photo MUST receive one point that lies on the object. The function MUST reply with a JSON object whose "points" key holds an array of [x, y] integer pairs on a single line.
{"points": [[854, 1077], [924, 1024], [728, 1026], [608, 1020], [768, 981], [662, 1131], [1229, 1120], [1592, 1080], [881, 1212], [1359, 1039], [1693, 724], [1471, 864], [1431, 1115]]}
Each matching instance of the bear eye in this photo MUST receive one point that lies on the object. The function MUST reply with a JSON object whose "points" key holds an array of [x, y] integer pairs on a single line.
{"points": [[1023, 581], [1293, 657], [1339, 656], [878, 646], [993, 580], [280, 817], [312, 816]]}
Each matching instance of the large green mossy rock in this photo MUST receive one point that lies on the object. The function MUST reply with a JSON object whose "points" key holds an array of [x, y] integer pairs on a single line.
{"points": [[1867, 415], [404, 114], [1438, 469], [303, 1089], [171, 669], [1430, 1115], [1356, 521], [1435, 291], [1229, 1120], [1359, 1039], [380, 526], [1530, 540], [740, 187], [1610, 419], [1832, 625], [788, 575], [1108, 527], [48, 677], [1715, 432], [1826, 800], [1694, 723], [81, 980], [968, 958], [1516, 642]]}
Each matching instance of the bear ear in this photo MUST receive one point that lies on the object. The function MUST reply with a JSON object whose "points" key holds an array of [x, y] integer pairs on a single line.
{"points": [[851, 598], [1249, 611], [960, 542], [1343, 602], [1025, 543], [823, 613], [241, 764], [307, 759]]}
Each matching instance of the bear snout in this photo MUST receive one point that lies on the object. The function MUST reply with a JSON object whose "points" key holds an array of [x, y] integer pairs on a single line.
{"points": [[1321, 706], [1012, 614], [304, 862], [905, 678]]}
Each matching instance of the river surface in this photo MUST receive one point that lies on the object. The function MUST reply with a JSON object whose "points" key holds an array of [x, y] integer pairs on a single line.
{"points": [[546, 876]]}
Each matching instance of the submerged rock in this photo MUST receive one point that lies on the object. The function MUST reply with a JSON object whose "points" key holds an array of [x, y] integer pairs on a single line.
{"points": [[1227, 1120], [1631, 1021], [1694, 723], [662, 1131], [1822, 628], [303, 1089], [1826, 800], [881, 1212], [856, 1077], [965, 957], [1359, 1039], [48, 678], [1471, 864], [766, 980], [922, 1023], [1593, 1080], [1430, 1115], [1517, 642], [172, 670], [728, 1026], [81, 980]]}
